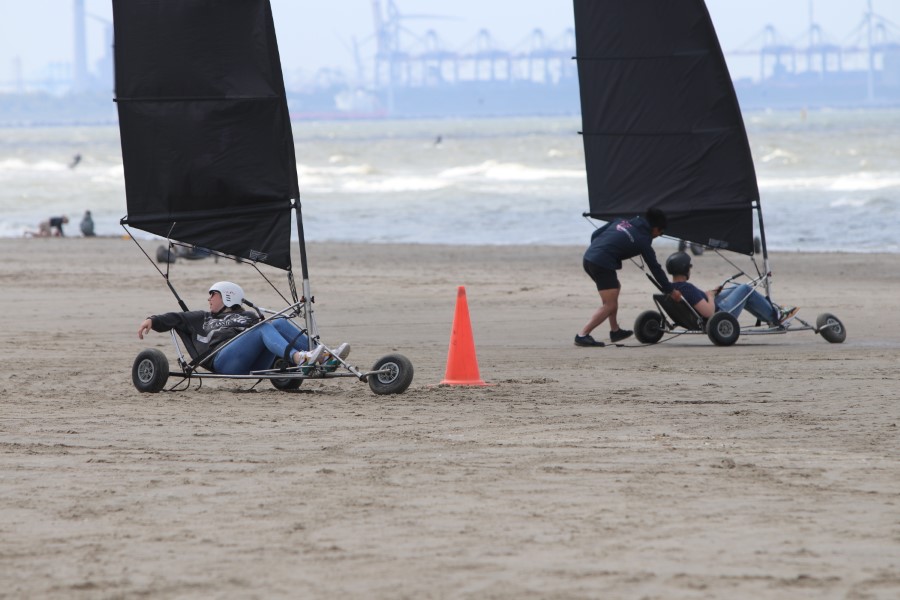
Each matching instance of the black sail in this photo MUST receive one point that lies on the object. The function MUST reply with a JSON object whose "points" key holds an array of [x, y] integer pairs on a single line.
{"points": [[206, 136], [661, 122]]}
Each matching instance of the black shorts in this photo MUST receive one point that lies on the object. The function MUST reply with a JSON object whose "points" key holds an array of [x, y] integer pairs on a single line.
{"points": [[606, 279]]}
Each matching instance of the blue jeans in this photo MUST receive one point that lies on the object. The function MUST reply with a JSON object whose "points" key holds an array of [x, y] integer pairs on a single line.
{"points": [[737, 298], [257, 349]]}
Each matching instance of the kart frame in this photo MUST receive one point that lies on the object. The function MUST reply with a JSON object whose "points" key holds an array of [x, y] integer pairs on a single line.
{"points": [[723, 329]]}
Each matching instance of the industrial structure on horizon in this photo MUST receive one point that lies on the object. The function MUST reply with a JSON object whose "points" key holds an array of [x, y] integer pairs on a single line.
{"points": [[413, 74]]}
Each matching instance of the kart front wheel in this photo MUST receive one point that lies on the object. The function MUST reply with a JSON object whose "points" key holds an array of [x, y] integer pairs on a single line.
{"points": [[150, 371], [397, 375], [831, 328], [723, 329]]}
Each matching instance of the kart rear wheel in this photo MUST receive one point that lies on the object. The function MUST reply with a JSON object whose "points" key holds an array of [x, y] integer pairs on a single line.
{"points": [[831, 328], [397, 377], [648, 327], [150, 371], [723, 329], [286, 383]]}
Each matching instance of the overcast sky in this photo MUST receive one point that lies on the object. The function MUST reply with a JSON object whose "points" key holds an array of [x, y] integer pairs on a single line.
{"points": [[313, 34]]}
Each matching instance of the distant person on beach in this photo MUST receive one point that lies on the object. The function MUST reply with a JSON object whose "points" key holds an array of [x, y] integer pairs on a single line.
{"points": [[75, 160], [254, 351], [52, 227], [611, 244], [732, 299], [87, 225]]}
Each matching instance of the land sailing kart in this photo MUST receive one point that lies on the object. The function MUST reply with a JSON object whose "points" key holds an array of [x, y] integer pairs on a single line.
{"points": [[208, 155], [662, 128], [150, 373], [673, 317]]}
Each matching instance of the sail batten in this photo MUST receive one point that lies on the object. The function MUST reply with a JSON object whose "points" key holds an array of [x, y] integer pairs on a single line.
{"points": [[194, 98], [655, 133], [207, 146], [661, 125]]}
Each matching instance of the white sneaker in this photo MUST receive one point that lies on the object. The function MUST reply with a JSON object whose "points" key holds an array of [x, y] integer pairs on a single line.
{"points": [[335, 358], [342, 352], [309, 358]]}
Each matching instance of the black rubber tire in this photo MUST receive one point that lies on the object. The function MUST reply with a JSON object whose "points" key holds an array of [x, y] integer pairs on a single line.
{"points": [[398, 378], [723, 329], [831, 328], [287, 383], [695, 248], [150, 371], [648, 327], [163, 255]]}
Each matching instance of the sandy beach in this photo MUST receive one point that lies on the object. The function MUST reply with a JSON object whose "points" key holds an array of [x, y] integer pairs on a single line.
{"points": [[682, 470]]}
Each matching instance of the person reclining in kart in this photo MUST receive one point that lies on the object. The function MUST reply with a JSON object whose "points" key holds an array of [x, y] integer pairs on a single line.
{"points": [[254, 351], [732, 299]]}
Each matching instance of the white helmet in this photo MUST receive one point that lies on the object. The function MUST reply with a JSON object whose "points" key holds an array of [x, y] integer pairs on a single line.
{"points": [[232, 294]]}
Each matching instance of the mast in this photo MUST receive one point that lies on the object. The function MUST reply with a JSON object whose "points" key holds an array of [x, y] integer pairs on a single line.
{"points": [[311, 328], [765, 250]]}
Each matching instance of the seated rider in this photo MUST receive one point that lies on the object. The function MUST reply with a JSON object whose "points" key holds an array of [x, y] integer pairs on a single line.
{"points": [[256, 350], [732, 299]]}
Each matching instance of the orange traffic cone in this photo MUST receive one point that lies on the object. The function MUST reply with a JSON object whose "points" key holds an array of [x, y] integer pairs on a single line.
{"points": [[462, 365]]}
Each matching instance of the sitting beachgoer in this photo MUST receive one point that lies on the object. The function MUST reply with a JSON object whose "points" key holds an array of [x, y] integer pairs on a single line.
{"points": [[87, 225], [256, 350], [732, 299]]}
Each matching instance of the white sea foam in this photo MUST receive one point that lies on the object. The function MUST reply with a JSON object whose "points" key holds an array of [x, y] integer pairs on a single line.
{"points": [[780, 156], [500, 171], [860, 181], [392, 184]]}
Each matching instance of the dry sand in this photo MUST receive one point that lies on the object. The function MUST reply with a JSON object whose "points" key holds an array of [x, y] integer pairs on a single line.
{"points": [[682, 470]]}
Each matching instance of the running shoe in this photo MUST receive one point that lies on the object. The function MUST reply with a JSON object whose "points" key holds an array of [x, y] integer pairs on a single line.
{"points": [[786, 314], [620, 334], [342, 352], [310, 358], [588, 341]]}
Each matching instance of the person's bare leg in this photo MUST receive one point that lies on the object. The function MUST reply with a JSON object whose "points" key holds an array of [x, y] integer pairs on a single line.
{"points": [[608, 310]]}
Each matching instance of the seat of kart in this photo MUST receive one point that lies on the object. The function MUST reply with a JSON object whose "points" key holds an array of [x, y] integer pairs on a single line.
{"points": [[680, 312], [188, 343]]}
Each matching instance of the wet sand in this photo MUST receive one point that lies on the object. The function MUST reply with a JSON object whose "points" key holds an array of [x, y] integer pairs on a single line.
{"points": [[682, 470]]}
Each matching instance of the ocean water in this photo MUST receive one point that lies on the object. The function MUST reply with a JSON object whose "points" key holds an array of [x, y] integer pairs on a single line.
{"points": [[828, 180]]}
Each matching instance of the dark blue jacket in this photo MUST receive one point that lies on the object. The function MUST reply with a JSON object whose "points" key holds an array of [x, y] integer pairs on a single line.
{"points": [[620, 240]]}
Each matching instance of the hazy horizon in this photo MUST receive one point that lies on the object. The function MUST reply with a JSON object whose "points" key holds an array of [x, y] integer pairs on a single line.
{"points": [[315, 36]]}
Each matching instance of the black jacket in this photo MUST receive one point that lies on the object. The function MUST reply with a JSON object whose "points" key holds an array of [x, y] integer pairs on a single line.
{"points": [[620, 240], [203, 329]]}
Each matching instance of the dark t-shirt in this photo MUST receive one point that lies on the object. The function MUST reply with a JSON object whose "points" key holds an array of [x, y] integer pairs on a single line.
{"points": [[691, 292], [57, 223]]}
